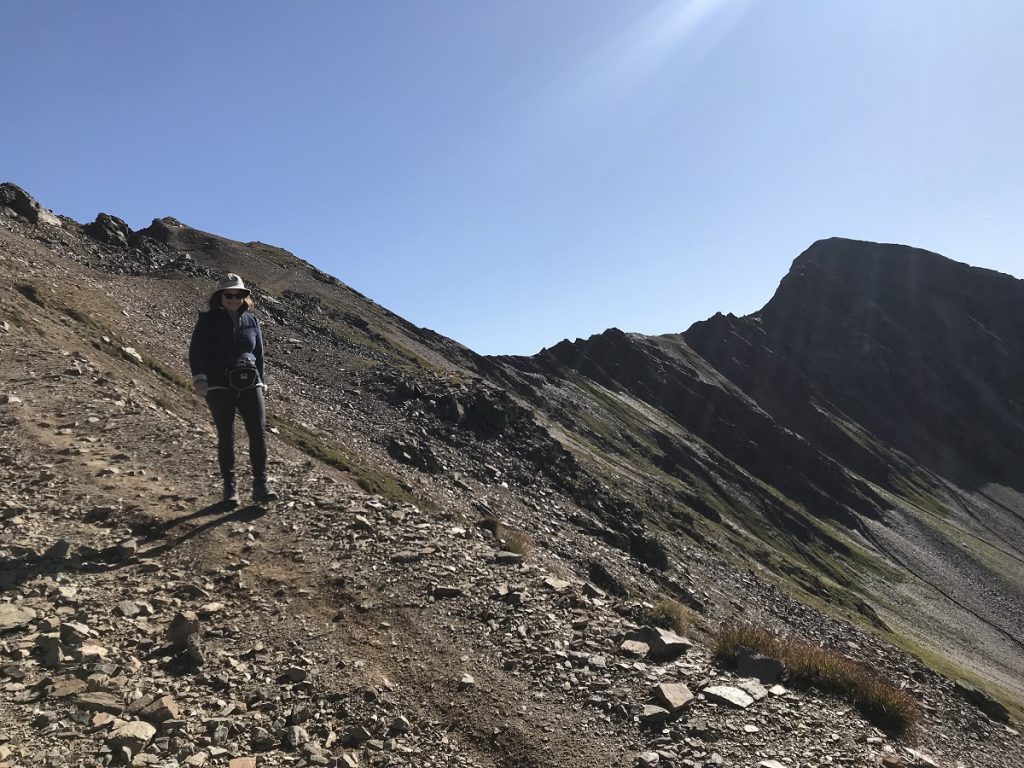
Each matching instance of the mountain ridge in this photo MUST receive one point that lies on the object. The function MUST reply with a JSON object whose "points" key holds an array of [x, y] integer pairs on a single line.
{"points": [[634, 464]]}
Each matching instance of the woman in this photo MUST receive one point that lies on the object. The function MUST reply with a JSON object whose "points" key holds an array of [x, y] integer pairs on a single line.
{"points": [[226, 357]]}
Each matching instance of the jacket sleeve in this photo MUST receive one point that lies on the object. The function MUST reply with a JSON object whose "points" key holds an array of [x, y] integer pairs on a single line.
{"points": [[198, 349], [258, 352]]}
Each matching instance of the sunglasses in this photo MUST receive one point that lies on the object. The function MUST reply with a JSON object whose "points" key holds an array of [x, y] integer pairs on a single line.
{"points": [[227, 295]]}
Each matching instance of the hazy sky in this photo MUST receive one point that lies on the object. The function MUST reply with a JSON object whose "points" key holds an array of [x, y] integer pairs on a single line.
{"points": [[510, 173]]}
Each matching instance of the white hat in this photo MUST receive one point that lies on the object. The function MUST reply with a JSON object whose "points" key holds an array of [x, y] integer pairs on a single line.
{"points": [[231, 282]]}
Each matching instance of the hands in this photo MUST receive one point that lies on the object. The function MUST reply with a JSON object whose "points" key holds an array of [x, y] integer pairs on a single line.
{"points": [[200, 387]]}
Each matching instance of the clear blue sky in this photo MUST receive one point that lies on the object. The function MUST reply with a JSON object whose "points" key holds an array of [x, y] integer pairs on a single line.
{"points": [[514, 173]]}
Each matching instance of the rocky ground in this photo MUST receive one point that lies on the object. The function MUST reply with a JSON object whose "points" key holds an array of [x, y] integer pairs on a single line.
{"points": [[142, 624]]}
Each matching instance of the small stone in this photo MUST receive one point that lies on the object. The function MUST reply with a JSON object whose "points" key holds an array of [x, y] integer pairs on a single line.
{"points": [[355, 735], [667, 645], [242, 762], [653, 715], [754, 688], [183, 626], [674, 696], [102, 719], [134, 736], [91, 652], [634, 648], [209, 609], [770, 764], [128, 609], [296, 736], [727, 694], [59, 551], [99, 702], [74, 633], [443, 591], [467, 681], [127, 548], [295, 674], [161, 710], [556, 585], [648, 760], [131, 354], [68, 687], [14, 616], [399, 726]]}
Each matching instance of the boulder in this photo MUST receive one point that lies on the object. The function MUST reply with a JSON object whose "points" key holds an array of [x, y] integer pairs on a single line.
{"points": [[15, 199], [110, 230], [763, 668]]}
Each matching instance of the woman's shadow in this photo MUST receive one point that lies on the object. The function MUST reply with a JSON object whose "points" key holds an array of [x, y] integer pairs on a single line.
{"points": [[25, 564]]}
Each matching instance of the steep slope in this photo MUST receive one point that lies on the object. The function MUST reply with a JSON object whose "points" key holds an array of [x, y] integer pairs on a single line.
{"points": [[386, 577], [866, 424]]}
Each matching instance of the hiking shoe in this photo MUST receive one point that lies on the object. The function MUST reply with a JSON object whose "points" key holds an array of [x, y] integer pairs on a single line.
{"points": [[262, 492], [230, 498]]}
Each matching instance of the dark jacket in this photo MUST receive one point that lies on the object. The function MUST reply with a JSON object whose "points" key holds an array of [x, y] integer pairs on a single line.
{"points": [[217, 343]]}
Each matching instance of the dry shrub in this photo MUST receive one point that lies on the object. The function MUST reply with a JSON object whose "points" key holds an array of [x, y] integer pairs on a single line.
{"points": [[514, 540], [670, 614], [511, 539], [809, 665]]}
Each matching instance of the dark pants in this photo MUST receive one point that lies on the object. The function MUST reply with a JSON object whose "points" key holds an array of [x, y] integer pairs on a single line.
{"points": [[249, 403]]}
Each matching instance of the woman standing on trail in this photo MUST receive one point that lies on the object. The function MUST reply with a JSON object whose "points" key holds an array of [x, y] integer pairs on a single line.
{"points": [[226, 357]]}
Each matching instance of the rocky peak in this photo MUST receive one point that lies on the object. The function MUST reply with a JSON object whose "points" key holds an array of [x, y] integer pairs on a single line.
{"points": [[876, 288], [21, 203]]}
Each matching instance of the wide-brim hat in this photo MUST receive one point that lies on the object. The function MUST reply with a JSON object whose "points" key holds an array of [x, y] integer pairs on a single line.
{"points": [[231, 282]]}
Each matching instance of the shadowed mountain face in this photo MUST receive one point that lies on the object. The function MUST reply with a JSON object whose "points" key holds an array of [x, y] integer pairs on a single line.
{"points": [[922, 352], [858, 442], [868, 417]]}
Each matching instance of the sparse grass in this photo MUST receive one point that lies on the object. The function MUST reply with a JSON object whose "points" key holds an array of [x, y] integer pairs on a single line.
{"points": [[809, 665], [368, 478], [670, 614], [95, 326]]}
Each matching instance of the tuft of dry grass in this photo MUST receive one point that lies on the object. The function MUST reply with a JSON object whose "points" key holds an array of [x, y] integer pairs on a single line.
{"points": [[515, 540], [511, 539], [670, 614], [808, 665]]}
